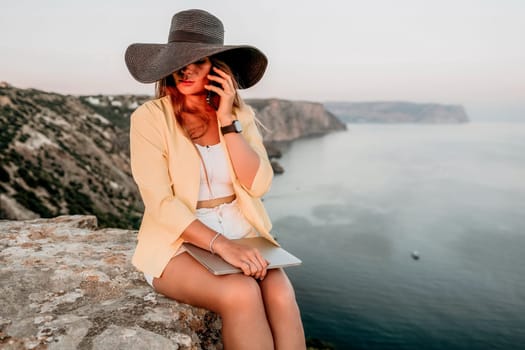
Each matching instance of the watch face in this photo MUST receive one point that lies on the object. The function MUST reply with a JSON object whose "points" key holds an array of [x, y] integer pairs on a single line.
{"points": [[237, 125]]}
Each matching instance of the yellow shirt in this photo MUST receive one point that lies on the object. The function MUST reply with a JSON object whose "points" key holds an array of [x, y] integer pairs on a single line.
{"points": [[166, 167]]}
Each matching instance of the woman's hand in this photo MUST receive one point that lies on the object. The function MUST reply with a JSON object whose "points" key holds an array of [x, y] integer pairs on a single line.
{"points": [[226, 91], [248, 259]]}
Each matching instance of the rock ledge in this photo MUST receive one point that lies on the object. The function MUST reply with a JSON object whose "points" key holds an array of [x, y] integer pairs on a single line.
{"points": [[68, 285]]}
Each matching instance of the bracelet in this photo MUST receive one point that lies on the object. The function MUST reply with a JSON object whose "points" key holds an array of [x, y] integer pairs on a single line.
{"points": [[213, 241]]}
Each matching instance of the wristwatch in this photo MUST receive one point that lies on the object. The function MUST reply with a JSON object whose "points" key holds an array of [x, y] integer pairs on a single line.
{"points": [[235, 126]]}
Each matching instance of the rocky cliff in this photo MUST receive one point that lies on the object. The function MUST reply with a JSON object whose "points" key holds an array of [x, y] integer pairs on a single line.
{"points": [[63, 154], [289, 120], [397, 112], [67, 284]]}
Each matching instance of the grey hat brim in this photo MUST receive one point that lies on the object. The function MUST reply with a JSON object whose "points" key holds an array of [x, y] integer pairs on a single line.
{"points": [[149, 63]]}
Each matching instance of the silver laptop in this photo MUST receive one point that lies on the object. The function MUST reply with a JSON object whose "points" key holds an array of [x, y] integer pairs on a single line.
{"points": [[277, 256]]}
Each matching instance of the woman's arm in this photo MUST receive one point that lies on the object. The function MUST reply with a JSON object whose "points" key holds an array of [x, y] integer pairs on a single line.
{"points": [[248, 155], [244, 159]]}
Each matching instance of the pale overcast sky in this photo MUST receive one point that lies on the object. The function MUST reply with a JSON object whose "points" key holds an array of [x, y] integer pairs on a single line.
{"points": [[469, 52]]}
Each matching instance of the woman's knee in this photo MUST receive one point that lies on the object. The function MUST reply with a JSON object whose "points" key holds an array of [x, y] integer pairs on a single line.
{"points": [[241, 292], [278, 292], [281, 298]]}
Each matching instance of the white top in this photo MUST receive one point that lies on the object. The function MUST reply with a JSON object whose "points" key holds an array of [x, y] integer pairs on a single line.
{"points": [[216, 163]]}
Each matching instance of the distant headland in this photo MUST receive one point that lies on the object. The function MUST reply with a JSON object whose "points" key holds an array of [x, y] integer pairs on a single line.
{"points": [[397, 112]]}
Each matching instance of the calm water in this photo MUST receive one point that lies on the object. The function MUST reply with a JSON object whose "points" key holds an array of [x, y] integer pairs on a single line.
{"points": [[354, 205]]}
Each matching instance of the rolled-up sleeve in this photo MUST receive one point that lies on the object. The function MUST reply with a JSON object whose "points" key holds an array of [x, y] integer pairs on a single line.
{"points": [[149, 166]]}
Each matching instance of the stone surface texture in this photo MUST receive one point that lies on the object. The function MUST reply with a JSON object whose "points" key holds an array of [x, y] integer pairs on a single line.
{"points": [[65, 284]]}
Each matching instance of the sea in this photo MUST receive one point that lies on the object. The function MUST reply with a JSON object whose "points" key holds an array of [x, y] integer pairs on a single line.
{"points": [[412, 236]]}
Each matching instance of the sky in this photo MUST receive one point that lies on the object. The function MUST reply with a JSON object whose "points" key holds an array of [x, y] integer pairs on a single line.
{"points": [[468, 52]]}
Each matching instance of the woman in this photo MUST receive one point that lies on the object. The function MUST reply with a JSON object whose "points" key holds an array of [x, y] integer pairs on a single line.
{"points": [[201, 168]]}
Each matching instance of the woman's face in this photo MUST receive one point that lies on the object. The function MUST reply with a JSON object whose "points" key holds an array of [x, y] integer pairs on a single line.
{"points": [[190, 80]]}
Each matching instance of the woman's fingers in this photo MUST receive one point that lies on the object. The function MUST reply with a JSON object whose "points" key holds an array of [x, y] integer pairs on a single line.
{"points": [[219, 90], [256, 269], [260, 263], [249, 260], [223, 74], [263, 264], [222, 84], [251, 266], [223, 79], [245, 267]]}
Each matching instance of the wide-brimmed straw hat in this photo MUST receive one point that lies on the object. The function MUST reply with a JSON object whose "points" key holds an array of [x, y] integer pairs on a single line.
{"points": [[194, 34]]}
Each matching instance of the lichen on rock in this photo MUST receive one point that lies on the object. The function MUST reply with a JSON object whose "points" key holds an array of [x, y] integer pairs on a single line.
{"points": [[68, 285]]}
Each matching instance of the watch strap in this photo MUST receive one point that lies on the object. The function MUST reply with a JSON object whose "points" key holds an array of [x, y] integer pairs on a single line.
{"points": [[235, 126]]}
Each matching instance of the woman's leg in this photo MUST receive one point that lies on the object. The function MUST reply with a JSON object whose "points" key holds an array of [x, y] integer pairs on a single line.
{"points": [[282, 311], [237, 298]]}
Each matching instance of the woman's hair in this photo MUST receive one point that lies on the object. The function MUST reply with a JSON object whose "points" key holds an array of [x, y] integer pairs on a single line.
{"points": [[166, 86]]}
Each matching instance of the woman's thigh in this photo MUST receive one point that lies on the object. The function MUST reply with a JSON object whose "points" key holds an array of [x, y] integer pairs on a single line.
{"points": [[186, 280]]}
